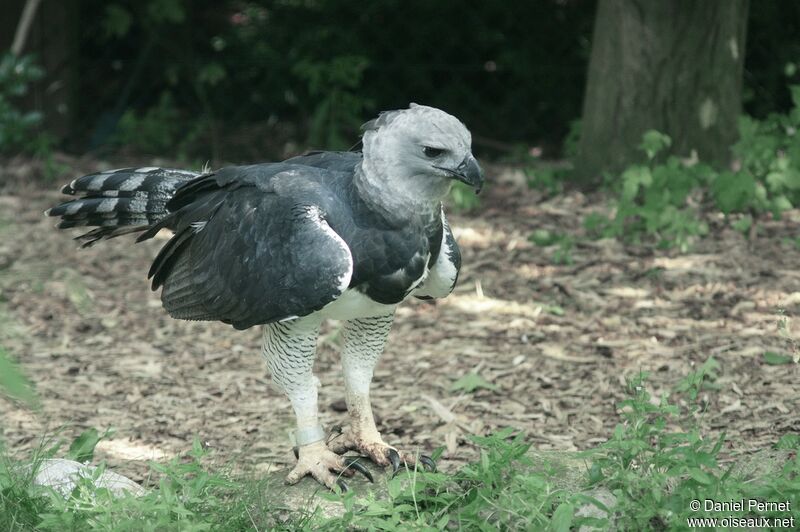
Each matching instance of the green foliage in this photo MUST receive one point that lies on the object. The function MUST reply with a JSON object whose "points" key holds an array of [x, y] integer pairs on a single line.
{"points": [[789, 442], [117, 21], [471, 382], [572, 140], [662, 199], [769, 154], [654, 198], [561, 243], [340, 108], [463, 198], [18, 127], [188, 497], [82, 447], [157, 130], [501, 491], [776, 359], [313, 71], [547, 180], [653, 143], [13, 382], [657, 461]]}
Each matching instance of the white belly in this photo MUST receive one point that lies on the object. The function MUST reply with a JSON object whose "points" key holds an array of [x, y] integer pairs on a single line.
{"points": [[353, 304]]}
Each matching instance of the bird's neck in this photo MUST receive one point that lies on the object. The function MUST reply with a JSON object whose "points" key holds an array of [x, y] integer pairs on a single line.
{"points": [[391, 198]]}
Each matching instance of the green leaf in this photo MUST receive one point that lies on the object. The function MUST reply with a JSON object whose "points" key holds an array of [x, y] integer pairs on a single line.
{"points": [[211, 74], [82, 448], [395, 487], [795, 91], [562, 518], [13, 382], [471, 382], [779, 204], [117, 20], [171, 11], [542, 237], [743, 224], [776, 359], [632, 179], [733, 191], [653, 142], [700, 476], [788, 441]]}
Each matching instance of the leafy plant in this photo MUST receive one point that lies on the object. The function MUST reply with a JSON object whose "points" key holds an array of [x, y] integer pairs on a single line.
{"points": [[82, 447], [548, 180], [157, 130], [471, 382], [654, 197], [17, 127], [561, 242], [657, 461], [776, 359], [339, 110], [502, 490], [769, 154], [661, 198]]}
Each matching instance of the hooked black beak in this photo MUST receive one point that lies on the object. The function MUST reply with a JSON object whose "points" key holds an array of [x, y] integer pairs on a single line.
{"points": [[469, 172]]}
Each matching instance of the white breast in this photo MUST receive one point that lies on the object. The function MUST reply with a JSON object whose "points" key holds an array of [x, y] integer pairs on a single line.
{"points": [[442, 275], [353, 304]]}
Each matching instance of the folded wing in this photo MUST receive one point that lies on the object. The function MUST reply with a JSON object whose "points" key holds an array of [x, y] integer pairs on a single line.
{"points": [[249, 249]]}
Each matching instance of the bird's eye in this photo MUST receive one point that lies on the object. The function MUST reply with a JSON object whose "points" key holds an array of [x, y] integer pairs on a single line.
{"points": [[432, 152]]}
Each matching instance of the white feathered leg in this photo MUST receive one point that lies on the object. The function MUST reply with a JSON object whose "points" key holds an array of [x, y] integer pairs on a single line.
{"points": [[364, 340], [289, 348]]}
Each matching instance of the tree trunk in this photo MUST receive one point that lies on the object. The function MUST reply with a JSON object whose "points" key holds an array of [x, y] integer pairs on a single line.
{"points": [[674, 66]]}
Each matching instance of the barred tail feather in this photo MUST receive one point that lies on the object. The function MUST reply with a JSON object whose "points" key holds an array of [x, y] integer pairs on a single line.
{"points": [[120, 201]]}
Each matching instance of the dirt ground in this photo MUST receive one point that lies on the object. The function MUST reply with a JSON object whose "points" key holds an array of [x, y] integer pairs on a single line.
{"points": [[556, 340]]}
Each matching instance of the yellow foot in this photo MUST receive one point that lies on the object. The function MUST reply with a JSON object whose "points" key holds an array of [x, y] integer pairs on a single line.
{"points": [[325, 466], [378, 451]]}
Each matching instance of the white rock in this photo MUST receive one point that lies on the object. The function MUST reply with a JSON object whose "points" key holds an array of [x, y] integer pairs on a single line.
{"points": [[62, 475]]}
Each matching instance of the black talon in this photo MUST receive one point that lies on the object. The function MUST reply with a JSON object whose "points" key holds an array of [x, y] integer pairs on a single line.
{"points": [[428, 462], [342, 485], [296, 451], [358, 466], [394, 458]]}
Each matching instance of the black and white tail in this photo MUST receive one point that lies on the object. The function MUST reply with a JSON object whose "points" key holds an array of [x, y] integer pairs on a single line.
{"points": [[119, 201]]}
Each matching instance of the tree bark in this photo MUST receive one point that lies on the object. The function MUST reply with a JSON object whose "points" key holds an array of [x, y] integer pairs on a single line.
{"points": [[674, 66]]}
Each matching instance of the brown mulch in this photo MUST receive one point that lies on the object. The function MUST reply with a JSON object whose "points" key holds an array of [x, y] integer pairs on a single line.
{"points": [[558, 341]]}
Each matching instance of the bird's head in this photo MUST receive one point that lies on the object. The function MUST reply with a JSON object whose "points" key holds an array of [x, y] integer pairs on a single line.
{"points": [[418, 152]]}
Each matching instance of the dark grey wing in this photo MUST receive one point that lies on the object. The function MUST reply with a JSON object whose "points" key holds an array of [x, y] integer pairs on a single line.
{"points": [[251, 250], [443, 272], [339, 161]]}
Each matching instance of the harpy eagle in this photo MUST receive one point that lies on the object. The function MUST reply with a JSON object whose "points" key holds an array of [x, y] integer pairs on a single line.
{"points": [[339, 235]]}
